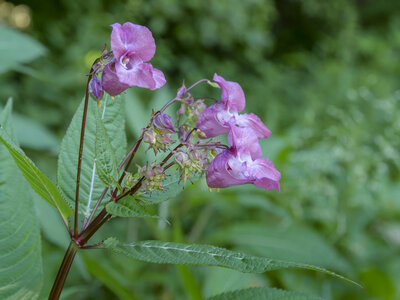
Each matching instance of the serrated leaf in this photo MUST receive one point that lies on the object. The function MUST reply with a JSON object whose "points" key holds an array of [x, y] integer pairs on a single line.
{"points": [[192, 254], [106, 165], [114, 123], [16, 48], [20, 254], [40, 183], [263, 293], [282, 242], [128, 207], [173, 186]]}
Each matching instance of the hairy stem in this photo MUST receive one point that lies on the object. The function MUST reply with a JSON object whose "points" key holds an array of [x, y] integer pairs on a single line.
{"points": [[63, 271]]}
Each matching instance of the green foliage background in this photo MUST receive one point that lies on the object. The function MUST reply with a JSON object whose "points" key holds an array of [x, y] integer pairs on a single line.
{"points": [[323, 76]]}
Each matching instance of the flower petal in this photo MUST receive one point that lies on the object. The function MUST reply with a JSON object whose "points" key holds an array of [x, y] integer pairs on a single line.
{"points": [[132, 38], [141, 75], [253, 121], [209, 123], [245, 141], [231, 93], [265, 174], [219, 171], [110, 81]]}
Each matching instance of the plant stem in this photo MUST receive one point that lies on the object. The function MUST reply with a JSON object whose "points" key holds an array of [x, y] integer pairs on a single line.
{"points": [[78, 172], [63, 271]]}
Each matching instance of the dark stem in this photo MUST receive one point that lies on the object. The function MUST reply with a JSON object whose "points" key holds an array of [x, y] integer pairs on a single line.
{"points": [[63, 271], [78, 172]]}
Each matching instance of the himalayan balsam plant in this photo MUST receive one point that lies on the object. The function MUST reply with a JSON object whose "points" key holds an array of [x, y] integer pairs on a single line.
{"points": [[98, 180]]}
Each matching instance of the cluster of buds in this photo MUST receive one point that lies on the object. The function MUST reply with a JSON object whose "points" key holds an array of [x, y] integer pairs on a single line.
{"points": [[191, 108], [159, 134], [194, 158], [154, 175]]}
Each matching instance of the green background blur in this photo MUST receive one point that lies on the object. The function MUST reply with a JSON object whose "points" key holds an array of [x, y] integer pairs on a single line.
{"points": [[324, 77]]}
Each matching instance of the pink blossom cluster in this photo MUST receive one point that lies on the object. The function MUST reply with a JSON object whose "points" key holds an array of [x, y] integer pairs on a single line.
{"points": [[242, 163]]}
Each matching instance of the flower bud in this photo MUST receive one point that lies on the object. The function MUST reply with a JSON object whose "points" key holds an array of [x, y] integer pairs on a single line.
{"points": [[182, 159], [154, 177], [181, 91], [164, 122], [149, 136], [95, 88]]}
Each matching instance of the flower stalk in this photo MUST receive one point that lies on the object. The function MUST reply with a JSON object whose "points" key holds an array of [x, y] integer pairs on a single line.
{"points": [[63, 271]]}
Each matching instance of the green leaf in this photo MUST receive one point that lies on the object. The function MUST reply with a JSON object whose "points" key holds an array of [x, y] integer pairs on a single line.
{"points": [[20, 254], [128, 207], [106, 165], [192, 254], [295, 242], [263, 293], [173, 186], [114, 123], [40, 183], [16, 48]]}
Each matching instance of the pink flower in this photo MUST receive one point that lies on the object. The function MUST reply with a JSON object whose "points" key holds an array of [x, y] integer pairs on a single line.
{"points": [[133, 46], [218, 118], [242, 164]]}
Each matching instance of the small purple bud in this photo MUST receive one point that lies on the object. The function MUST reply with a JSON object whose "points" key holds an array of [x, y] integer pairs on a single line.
{"points": [[181, 91], [164, 121], [165, 139], [95, 88], [182, 159], [149, 136]]}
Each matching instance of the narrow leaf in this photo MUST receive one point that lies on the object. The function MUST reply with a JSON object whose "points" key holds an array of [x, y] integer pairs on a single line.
{"points": [[40, 183], [192, 254], [282, 242], [106, 164], [20, 254], [128, 207], [263, 293]]}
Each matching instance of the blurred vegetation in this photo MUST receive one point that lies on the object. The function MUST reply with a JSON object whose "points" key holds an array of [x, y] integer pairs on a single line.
{"points": [[323, 76]]}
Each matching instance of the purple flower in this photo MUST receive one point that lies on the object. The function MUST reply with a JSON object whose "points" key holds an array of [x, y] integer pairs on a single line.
{"points": [[242, 164], [133, 46], [95, 88], [218, 118]]}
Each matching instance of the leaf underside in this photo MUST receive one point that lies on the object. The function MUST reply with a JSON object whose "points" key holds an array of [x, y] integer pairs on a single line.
{"points": [[192, 254]]}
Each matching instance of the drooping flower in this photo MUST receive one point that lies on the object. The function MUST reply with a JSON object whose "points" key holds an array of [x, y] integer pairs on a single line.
{"points": [[133, 46], [242, 164], [218, 118]]}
